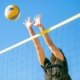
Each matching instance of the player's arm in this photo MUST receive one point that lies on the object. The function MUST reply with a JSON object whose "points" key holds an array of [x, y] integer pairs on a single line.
{"points": [[41, 56], [48, 40]]}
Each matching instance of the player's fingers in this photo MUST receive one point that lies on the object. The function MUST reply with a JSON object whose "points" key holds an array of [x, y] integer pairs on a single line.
{"points": [[35, 18], [24, 23], [33, 22], [39, 16], [29, 18], [25, 20]]}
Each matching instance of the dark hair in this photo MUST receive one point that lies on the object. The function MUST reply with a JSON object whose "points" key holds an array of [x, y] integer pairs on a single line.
{"points": [[52, 58]]}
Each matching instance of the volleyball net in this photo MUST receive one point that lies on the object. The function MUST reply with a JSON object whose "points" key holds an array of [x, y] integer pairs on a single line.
{"points": [[42, 33]]}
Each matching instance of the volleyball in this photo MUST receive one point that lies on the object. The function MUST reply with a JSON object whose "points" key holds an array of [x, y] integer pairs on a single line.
{"points": [[12, 12]]}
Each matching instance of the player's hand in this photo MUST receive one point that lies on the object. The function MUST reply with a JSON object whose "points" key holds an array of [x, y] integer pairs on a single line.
{"points": [[37, 20], [28, 22]]}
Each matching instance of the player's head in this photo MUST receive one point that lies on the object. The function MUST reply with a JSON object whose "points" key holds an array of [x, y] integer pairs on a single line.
{"points": [[52, 58]]}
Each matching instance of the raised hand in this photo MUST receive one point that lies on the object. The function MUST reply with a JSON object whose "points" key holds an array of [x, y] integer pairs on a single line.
{"points": [[37, 20], [28, 23]]}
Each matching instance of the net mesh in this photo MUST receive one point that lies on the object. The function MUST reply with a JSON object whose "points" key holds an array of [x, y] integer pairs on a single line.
{"points": [[22, 62]]}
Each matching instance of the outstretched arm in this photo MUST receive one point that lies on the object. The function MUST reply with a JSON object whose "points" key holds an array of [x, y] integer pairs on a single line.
{"points": [[47, 39], [41, 56]]}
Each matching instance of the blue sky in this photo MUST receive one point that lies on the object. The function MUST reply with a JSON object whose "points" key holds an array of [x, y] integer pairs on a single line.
{"points": [[22, 63]]}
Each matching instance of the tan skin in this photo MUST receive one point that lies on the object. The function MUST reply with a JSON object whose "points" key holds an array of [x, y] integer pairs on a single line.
{"points": [[48, 41]]}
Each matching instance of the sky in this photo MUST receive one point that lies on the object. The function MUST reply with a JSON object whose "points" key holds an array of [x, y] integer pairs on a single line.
{"points": [[22, 63]]}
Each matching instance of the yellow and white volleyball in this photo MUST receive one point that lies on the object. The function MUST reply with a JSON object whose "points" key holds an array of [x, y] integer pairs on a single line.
{"points": [[12, 12]]}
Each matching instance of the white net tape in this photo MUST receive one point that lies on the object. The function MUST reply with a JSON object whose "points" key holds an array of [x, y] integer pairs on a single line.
{"points": [[41, 33]]}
